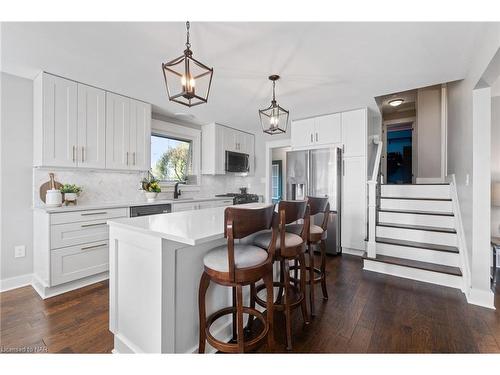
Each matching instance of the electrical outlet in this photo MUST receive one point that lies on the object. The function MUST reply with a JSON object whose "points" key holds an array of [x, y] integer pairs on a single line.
{"points": [[19, 251]]}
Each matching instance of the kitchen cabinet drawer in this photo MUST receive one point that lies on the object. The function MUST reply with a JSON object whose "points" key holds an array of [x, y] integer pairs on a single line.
{"points": [[185, 206], [75, 262], [76, 216], [71, 234]]}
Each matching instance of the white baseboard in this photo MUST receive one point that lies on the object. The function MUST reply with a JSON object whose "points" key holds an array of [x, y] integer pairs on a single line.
{"points": [[45, 291], [15, 282], [484, 298], [347, 250]]}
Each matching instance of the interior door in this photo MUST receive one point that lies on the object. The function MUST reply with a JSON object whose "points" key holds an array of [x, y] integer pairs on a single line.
{"points": [[117, 131], [91, 127], [60, 102]]}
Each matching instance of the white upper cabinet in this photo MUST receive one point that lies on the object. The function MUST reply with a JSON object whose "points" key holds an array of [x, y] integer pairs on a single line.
{"points": [[117, 131], [303, 133], [81, 126], [128, 133], [354, 136], [91, 149], [55, 121], [140, 135], [316, 131], [328, 129], [217, 139]]}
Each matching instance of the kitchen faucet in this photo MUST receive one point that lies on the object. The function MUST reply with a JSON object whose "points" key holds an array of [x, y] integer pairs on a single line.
{"points": [[177, 191]]}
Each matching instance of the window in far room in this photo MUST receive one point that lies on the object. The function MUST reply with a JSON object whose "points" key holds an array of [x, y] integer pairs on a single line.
{"points": [[277, 181], [171, 158]]}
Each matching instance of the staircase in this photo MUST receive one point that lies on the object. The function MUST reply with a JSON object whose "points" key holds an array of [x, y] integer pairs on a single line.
{"points": [[415, 235]]}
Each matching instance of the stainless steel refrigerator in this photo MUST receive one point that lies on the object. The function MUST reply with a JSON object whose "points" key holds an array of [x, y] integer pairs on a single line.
{"points": [[318, 173]]}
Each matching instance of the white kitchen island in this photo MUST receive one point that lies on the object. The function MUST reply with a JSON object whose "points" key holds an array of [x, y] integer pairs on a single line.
{"points": [[155, 267]]}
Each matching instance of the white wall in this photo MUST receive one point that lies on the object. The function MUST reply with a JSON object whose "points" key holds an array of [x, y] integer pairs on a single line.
{"points": [[16, 174], [495, 161], [429, 132], [460, 132]]}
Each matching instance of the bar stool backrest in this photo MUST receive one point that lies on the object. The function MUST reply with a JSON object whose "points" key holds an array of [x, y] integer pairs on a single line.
{"points": [[294, 210], [320, 205]]}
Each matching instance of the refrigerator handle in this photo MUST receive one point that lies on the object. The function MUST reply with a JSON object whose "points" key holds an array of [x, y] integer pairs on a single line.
{"points": [[343, 168]]}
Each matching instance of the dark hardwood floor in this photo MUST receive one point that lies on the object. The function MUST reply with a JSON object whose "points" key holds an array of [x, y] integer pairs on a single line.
{"points": [[367, 313]]}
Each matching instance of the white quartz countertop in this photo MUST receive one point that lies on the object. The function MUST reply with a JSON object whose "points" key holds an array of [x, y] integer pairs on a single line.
{"points": [[188, 227], [97, 206]]}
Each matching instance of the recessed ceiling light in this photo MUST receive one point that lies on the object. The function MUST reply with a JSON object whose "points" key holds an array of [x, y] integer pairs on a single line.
{"points": [[396, 102]]}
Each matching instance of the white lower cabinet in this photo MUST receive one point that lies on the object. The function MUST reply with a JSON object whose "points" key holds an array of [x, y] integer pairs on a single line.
{"points": [[188, 206], [70, 246], [354, 208], [75, 262]]}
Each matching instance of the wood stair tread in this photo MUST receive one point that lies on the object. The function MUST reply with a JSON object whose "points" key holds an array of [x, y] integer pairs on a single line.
{"points": [[422, 245], [416, 212], [418, 227], [454, 271], [419, 199]]}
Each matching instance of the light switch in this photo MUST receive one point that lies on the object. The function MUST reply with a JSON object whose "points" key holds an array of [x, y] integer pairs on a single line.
{"points": [[19, 251]]}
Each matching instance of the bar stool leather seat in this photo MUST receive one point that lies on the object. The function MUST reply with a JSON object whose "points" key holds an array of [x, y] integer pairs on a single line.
{"points": [[291, 240], [244, 256], [313, 229]]}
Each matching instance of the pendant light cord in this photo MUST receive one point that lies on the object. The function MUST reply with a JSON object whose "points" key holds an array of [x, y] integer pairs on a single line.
{"points": [[188, 45]]}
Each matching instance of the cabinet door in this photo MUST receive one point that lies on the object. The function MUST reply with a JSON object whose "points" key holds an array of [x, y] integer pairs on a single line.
{"points": [[91, 150], [229, 136], [184, 206], [354, 204], [328, 129], [302, 133], [140, 135], [354, 132], [59, 121], [117, 131]]}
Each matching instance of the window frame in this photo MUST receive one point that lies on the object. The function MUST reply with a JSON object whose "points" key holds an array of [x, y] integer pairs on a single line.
{"points": [[162, 128]]}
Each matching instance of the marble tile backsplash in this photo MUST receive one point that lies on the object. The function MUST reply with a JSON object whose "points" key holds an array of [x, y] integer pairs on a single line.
{"points": [[113, 186]]}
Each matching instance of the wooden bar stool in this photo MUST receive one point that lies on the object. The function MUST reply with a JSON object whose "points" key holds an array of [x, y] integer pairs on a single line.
{"points": [[317, 236], [289, 247], [237, 265]]}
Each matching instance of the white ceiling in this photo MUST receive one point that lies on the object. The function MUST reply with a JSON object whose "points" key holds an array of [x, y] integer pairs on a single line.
{"points": [[325, 67]]}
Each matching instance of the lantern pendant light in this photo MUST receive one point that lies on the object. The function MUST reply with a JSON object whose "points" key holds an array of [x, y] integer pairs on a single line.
{"points": [[274, 119], [187, 80]]}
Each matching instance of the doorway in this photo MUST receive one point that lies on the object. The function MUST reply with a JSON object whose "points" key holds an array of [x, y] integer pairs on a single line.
{"points": [[399, 140], [277, 181]]}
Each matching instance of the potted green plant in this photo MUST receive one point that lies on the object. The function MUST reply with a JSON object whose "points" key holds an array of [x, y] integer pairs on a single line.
{"points": [[70, 193], [151, 186]]}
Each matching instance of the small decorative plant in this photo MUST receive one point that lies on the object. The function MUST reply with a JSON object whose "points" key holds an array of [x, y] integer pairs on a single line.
{"points": [[71, 189], [150, 184]]}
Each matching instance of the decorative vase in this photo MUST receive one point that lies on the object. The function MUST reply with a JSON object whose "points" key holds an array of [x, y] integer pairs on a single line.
{"points": [[70, 198], [53, 198], [150, 196]]}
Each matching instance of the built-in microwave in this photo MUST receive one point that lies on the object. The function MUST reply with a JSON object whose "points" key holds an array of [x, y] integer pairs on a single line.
{"points": [[237, 162]]}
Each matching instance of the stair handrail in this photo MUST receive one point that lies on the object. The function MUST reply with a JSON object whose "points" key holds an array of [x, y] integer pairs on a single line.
{"points": [[371, 246]]}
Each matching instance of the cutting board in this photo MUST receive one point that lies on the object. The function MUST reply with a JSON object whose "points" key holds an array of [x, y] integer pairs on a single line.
{"points": [[48, 185]]}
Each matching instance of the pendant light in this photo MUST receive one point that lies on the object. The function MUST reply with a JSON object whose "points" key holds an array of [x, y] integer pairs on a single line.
{"points": [[274, 119], [187, 80]]}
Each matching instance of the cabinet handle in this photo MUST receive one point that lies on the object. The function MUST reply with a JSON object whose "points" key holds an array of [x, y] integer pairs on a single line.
{"points": [[93, 246], [73, 153], [127, 157], [92, 225], [94, 213], [316, 137], [133, 154], [312, 138], [83, 154]]}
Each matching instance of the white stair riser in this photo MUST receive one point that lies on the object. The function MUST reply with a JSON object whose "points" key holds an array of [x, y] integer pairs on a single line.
{"points": [[420, 254], [418, 205], [414, 274], [417, 219], [437, 238], [416, 191]]}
